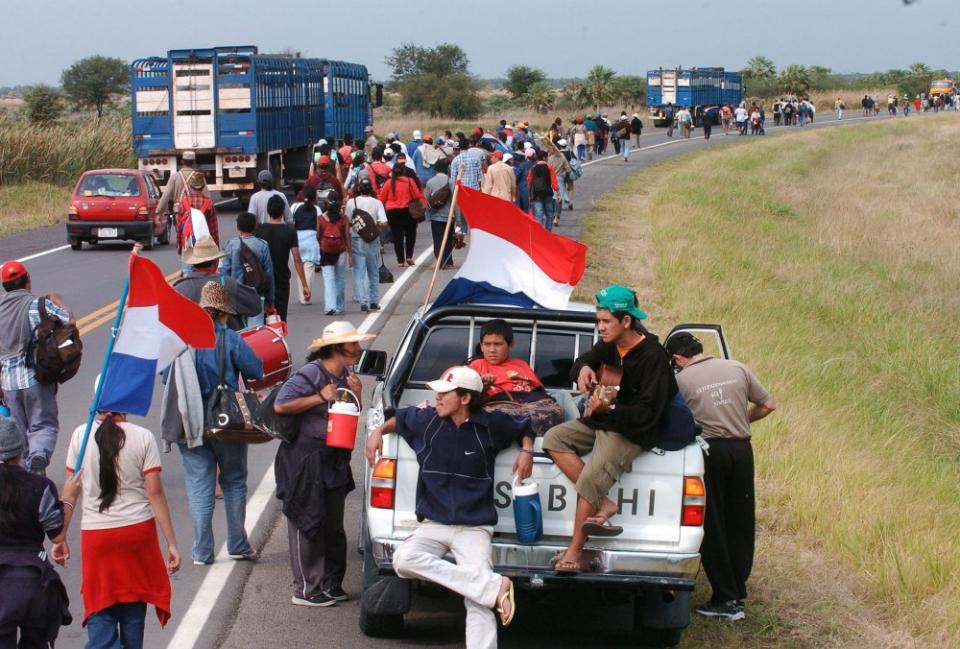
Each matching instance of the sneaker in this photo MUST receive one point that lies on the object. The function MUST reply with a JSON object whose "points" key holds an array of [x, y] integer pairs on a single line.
{"points": [[363, 308], [249, 555], [332, 312], [197, 562], [336, 593], [374, 307], [726, 610], [38, 465], [400, 264], [313, 600], [570, 207]]}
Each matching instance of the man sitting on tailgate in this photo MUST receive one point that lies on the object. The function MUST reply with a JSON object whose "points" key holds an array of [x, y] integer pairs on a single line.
{"points": [[618, 425]]}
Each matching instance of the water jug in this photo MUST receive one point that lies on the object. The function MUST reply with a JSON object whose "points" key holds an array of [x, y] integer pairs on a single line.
{"points": [[4, 411], [342, 419], [527, 512]]}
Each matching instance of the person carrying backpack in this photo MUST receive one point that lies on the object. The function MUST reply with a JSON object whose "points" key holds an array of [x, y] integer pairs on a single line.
{"points": [[176, 186], [32, 404], [324, 181], [438, 197], [365, 216], [380, 169], [542, 183], [247, 260], [283, 243], [332, 232], [397, 195], [196, 197]]}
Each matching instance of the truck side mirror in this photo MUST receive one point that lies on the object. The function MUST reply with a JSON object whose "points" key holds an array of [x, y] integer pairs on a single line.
{"points": [[378, 95], [372, 362]]}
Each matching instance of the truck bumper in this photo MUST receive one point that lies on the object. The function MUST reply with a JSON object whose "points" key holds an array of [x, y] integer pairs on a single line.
{"points": [[100, 230], [532, 564]]}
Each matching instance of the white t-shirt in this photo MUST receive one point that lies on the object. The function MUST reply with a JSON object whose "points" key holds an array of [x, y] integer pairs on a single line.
{"points": [[138, 457], [368, 204], [741, 114]]}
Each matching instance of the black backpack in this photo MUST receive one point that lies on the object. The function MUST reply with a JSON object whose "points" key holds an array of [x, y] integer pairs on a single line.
{"points": [[58, 349], [440, 197], [678, 428], [541, 182], [253, 273], [363, 224]]}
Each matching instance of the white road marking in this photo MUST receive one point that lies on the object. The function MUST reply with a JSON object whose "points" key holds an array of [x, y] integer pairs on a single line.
{"points": [[41, 254]]}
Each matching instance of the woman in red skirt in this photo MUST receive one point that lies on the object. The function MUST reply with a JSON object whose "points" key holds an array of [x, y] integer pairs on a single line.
{"points": [[122, 567]]}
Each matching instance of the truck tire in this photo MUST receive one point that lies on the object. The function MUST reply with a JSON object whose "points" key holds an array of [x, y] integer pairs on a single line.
{"points": [[648, 617], [382, 590], [380, 626]]}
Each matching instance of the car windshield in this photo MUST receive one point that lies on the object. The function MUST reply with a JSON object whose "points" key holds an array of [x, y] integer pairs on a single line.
{"points": [[109, 185]]}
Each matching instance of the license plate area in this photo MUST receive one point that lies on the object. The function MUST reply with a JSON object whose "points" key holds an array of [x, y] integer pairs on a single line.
{"points": [[237, 172], [107, 233]]}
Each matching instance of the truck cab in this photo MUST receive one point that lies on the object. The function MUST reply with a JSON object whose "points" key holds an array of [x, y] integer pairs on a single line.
{"points": [[661, 499]]}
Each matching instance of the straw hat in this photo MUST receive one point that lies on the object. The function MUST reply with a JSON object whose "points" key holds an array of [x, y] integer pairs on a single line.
{"points": [[214, 295], [205, 249], [338, 332], [196, 181]]}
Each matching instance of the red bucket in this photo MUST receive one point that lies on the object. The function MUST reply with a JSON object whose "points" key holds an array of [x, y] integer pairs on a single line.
{"points": [[342, 419]]}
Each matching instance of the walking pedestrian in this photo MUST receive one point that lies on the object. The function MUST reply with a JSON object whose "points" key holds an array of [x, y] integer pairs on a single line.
{"points": [[560, 164], [366, 255], [450, 477], [741, 115], [541, 186], [283, 243], [122, 567], [335, 255], [499, 180], [670, 115], [718, 392], [305, 219], [258, 202], [202, 455], [580, 138], [234, 265], [176, 186], [396, 196], [369, 143], [34, 602], [196, 197], [522, 172], [203, 259], [636, 128], [621, 132], [438, 196], [838, 107], [313, 479], [33, 405]]}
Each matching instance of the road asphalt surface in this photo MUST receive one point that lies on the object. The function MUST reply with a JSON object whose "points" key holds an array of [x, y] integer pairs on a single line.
{"points": [[241, 605]]}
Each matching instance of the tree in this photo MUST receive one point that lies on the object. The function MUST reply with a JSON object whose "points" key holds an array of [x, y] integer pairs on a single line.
{"points": [[599, 83], [435, 80], [759, 68], [821, 78], [540, 97], [630, 90], [577, 93], [795, 80], [520, 78], [43, 104], [94, 80]]}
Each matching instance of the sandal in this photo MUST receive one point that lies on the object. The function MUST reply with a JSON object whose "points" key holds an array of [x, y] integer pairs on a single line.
{"points": [[598, 527], [507, 618], [567, 567], [556, 221]]}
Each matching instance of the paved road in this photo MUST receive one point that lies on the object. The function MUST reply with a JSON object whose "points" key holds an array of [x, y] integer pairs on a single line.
{"points": [[238, 605]]}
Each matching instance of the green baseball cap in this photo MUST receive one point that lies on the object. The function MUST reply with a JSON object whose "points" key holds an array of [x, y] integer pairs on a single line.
{"points": [[620, 298]]}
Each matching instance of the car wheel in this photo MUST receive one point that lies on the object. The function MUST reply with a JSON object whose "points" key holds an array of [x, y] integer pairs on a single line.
{"points": [[147, 242], [76, 243]]}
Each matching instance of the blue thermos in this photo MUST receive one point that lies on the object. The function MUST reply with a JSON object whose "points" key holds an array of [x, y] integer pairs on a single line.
{"points": [[4, 411], [527, 512]]}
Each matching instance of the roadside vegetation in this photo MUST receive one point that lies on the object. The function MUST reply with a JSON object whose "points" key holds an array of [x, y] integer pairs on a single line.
{"points": [[831, 261]]}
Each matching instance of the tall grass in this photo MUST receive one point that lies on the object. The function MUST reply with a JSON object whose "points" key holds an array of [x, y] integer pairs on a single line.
{"points": [[58, 153], [831, 259]]}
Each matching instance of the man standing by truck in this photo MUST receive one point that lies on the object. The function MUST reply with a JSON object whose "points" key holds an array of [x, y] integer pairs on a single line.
{"points": [[614, 432], [456, 445], [176, 187], [718, 391]]}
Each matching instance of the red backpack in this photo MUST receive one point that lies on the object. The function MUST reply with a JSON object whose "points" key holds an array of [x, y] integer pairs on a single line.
{"points": [[331, 237]]}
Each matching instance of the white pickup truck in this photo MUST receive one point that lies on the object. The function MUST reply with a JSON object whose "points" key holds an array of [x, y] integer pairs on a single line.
{"points": [[661, 499]]}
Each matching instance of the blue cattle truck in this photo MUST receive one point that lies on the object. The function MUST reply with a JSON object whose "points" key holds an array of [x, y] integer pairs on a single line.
{"points": [[241, 111], [697, 89]]}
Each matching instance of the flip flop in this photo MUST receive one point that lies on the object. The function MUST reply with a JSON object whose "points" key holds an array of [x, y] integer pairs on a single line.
{"points": [[591, 528], [507, 596], [567, 567]]}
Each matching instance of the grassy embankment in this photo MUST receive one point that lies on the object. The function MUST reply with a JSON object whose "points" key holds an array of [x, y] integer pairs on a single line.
{"points": [[40, 164], [831, 259]]}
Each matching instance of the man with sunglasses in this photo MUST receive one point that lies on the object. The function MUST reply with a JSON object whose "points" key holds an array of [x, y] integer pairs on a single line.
{"points": [[719, 392]]}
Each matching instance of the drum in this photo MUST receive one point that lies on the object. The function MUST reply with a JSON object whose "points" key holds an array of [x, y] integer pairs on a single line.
{"points": [[270, 347]]}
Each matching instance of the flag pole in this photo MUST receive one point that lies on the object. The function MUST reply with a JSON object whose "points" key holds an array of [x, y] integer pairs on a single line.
{"points": [[106, 363], [444, 241]]}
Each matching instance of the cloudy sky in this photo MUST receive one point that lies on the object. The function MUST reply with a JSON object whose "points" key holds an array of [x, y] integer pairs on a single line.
{"points": [[39, 38]]}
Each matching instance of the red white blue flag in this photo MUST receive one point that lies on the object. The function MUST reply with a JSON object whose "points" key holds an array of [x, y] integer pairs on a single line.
{"points": [[158, 325], [512, 259]]}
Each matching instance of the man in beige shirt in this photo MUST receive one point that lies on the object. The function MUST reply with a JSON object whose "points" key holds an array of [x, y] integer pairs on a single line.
{"points": [[176, 186], [499, 180], [719, 393]]}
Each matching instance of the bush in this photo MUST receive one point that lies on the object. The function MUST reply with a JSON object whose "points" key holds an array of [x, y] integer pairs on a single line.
{"points": [[43, 104]]}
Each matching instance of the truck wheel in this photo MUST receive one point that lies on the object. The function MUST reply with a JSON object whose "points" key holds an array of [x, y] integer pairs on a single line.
{"points": [[657, 637], [76, 243], [380, 626]]}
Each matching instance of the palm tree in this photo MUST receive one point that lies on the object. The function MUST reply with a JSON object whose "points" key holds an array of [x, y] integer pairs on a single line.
{"points": [[600, 86]]}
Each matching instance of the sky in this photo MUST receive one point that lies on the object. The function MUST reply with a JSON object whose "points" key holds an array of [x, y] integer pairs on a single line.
{"points": [[40, 38]]}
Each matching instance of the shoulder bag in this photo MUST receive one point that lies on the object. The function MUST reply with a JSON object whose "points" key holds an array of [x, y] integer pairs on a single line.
{"points": [[229, 415]]}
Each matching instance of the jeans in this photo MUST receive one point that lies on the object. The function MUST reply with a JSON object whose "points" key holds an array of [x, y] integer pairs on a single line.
{"points": [[625, 148], [200, 473], [334, 279], [366, 270], [116, 627], [543, 211], [252, 321], [564, 197], [581, 151], [437, 228], [35, 411]]}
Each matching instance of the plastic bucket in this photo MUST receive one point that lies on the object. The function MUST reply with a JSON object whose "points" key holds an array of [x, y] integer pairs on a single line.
{"points": [[527, 511], [342, 419]]}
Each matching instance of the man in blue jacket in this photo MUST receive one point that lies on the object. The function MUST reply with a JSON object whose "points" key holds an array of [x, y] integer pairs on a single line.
{"points": [[232, 264], [456, 445]]}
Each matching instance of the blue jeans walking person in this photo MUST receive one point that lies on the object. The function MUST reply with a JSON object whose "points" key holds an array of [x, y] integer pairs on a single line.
{"points": [[543, 211], [120, 625], [334, 281], [366, 271]]}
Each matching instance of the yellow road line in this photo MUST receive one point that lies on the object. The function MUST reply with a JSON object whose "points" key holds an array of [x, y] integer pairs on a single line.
{"points": [[105, 314]]}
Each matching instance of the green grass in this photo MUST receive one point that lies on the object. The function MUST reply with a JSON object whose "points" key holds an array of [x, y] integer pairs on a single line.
{"points": [[830, 257], [31, 205]]}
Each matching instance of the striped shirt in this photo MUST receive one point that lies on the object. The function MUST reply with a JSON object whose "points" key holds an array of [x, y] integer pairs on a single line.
{"points": [[472, 171], [15, 372]]}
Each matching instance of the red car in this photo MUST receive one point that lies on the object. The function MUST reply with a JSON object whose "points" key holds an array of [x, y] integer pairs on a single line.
{"points": [[117, 204]]}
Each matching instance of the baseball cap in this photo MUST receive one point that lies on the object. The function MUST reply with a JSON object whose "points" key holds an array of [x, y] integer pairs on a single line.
{"points": [[530, 153], [620, 298], [324, 161], [264, 176], [498, 155], [507, 157], [189, 155], [457, 377], [12, 270], [416, 135]]}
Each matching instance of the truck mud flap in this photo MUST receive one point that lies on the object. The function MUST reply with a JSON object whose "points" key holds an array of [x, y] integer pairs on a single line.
{"points": [[663, 610], [386, 595]]}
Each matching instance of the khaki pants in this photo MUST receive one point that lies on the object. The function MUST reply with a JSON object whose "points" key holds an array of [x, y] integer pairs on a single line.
{"points": [[308, 271], [610, 455]]}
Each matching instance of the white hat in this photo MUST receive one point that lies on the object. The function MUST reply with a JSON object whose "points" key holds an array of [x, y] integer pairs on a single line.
{"points": [[527, 145], [561, 143], [507, 157], [458, 377], [337, 332], [417, 135]]}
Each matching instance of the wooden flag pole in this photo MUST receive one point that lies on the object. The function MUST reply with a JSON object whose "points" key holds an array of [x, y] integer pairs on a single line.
{"points": [[444, 242]]}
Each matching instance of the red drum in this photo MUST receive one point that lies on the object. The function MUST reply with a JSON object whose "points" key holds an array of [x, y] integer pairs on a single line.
{"points": [[270, 347]]}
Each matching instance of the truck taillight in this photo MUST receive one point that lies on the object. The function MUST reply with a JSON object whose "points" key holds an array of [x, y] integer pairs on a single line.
{"points": [[694, 501], [382, 483]]}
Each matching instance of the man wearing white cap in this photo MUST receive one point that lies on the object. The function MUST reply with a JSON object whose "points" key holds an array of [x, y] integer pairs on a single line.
{"points": [[413, 145], [456, 444], [176, 186]]}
